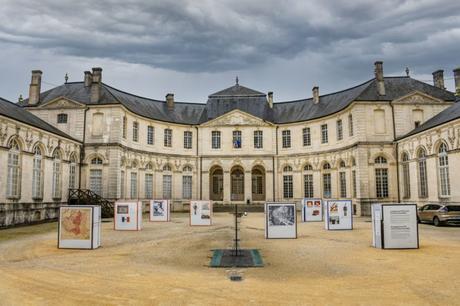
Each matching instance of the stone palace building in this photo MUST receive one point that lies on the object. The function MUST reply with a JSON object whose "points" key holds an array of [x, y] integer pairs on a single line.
{"points": [[389, 139]]}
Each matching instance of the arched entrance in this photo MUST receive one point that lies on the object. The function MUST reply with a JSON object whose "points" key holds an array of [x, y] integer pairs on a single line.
{"points": [[258, 183], [216, 181], [237, 184]]}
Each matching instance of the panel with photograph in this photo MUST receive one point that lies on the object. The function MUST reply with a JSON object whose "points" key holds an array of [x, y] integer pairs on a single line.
{"points": [[281, 220]]}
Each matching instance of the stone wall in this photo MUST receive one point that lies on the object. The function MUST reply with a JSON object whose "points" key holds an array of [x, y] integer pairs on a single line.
{"points": [[12, 214]]}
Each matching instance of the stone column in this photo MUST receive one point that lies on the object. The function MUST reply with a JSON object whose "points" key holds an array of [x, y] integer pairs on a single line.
{"points": [[227, 183], [247, 186]]}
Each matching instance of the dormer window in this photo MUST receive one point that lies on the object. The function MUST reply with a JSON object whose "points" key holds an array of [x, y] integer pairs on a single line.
{"points": [[62, 118]]}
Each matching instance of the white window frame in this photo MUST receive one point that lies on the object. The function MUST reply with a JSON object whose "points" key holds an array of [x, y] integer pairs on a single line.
{"points": [[258, 139], [286, 139], [167, 138], [133, 186], [237, 139], [443, 171], [187, 184], [150, 135], [188, 139], [324, 134], [339, 129], [135, 131], [14, 171], [57, 175], [37, 175], [216, 139], [306, 134], [148, 185]]}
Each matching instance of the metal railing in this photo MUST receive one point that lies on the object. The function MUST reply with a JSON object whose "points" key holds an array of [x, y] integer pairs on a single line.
{"points": [[88, 197]]}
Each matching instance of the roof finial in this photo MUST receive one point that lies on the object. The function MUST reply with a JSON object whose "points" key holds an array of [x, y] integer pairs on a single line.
{"points": [[66, 77], [237, 80], [407, 71]]}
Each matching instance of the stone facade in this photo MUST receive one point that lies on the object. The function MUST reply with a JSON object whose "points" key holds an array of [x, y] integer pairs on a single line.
{"points": [[28, 203], [352, 153]]}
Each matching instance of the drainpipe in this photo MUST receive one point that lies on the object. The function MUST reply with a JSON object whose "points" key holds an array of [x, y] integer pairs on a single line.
{"points": [[274, 169], [397, 151], [82, 150], [201, 164]]}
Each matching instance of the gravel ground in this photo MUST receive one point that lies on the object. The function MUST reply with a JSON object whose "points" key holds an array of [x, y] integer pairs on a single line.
{"points": [[167, 264]]}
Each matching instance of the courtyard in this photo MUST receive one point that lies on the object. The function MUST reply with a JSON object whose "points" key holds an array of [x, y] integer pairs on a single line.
{"points": [[167, 264]]}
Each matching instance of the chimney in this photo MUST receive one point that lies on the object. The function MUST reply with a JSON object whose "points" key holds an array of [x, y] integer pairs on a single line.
{"points": [[170, 101], [457, 81], [88, 78], [315, 91], [270, 99], [96, 85], [34, 89], [438, 79], [379, 78]]}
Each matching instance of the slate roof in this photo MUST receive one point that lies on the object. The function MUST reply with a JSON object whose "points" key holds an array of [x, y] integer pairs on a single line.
{"points": [[247, 100], [15, 112], [447, 115]]}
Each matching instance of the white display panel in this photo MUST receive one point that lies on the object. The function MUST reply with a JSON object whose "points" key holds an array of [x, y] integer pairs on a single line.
{"points": [[79, 227], [128, 215], [280, 221], [338, 215], [160, 210], [201, 213], [312, 210], [377, 225], [400, 227]]}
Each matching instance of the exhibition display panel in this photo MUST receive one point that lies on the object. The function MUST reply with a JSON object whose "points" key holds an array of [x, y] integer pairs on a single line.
{"points": [[395, 226], [79, 227], [128, 215], [280, 221], [338, 215], [160, 210], [200, 213], [312, 210]]}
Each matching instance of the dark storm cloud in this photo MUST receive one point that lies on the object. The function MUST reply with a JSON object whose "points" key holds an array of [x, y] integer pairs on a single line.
{"points": [[197, 36], [197, 47]]}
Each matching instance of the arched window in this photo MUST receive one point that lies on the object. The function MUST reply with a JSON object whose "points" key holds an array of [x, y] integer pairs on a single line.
{"points": [[187, 169], [37, 169], [57, 190], [308, 181], [73, 172], [443, 166], [149, 167], [187, 182], [406, 175], [14, 170], [353, 176], [422, 174], [288, 183], [167, 168], [95, 176], [342, 180], [96, 161], [381, 177], [327, 181]]}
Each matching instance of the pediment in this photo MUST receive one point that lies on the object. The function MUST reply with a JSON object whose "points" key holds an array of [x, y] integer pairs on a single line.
{"points": [[237, 118], [61, 103], [417, 97]]}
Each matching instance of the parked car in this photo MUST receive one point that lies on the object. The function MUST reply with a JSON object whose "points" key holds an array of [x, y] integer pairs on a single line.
{"points": [[439, 214]]}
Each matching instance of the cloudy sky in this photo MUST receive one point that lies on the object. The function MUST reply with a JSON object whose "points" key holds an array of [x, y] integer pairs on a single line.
{"points": [[194, 48]]}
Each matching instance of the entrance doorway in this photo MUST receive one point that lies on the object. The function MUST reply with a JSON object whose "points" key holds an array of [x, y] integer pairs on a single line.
{"points": [[216, 180], [237, 184], [258, 183]]}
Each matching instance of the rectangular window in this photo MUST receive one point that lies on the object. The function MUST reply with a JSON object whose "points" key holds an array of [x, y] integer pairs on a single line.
{"points": [[188, 140], [62, 118], [353, 178], [167, 187], [56, 186], [73, 175], [324, 136], [308, 185], [215, 135], [136, 131], [288, 190], [327, 187], [343, 185], [13, 175], [122, 184], [258, 140], [37, 178], [187, 187], [350, 125], [125, 126], [168, 138], [149, 185], [150, 135], [381, 182], [423, 182], [406, 180], [95, 181], [444, 179], [133, 185], [237, 139], [339, 130], [286, 134], [306, 137]]}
